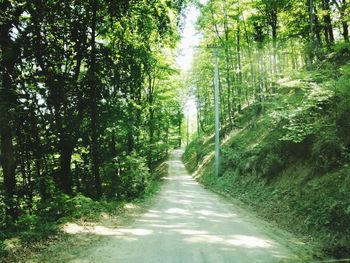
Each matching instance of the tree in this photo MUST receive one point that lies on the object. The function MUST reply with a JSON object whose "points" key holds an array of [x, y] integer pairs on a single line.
{"points": [[343, 9], [74, 98], [9, 48]]}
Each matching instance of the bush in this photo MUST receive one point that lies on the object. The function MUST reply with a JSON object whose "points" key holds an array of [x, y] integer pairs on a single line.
{"points": [[343, 105], [232, 156], [56, 207], [134, 177], [3, 251], [83, 206], [127, 177], [327, 154], [272, 165], [342, 50], [196, 151]]}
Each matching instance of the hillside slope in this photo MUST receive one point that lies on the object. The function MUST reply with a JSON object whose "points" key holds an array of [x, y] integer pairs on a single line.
{"points": [[289, 160]]}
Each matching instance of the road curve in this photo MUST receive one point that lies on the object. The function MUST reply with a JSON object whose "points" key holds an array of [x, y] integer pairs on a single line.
{"points": [[188, 223]]}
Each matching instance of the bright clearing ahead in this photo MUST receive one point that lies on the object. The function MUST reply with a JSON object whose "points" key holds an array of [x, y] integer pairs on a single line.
{"points": [[190, 38]]}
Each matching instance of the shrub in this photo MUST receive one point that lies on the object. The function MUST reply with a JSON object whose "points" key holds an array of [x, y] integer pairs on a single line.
{"points": [[232, 156], [3, 251], [327, 154], [134, 177], [58, 205], [271, 165]]}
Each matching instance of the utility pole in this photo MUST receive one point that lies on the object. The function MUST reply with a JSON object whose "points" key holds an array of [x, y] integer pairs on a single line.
{"points": [[216, 107], [188, 128]]}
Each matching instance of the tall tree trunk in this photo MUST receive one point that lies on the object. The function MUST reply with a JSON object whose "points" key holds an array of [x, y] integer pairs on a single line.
{"points": [[7, 105], [318, 28], [342, 8], [151, 119], [112, 148], [94, 106], [328, 21], [239, 65], [345, 6], [274, 25], [251, 66], [66, 151], [345, 32], [228, 65], [8, 165]]}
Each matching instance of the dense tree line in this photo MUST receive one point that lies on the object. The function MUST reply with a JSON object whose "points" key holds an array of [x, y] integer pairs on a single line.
{"points": [[261, 41], [284, 69], [87, 98]]}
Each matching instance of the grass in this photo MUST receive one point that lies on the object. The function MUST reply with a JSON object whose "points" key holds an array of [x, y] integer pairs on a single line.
{"points": [[293, 176]]}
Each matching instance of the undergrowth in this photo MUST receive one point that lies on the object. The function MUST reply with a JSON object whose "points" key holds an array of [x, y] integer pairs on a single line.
{"points": [[292, 166], [45, 224]]}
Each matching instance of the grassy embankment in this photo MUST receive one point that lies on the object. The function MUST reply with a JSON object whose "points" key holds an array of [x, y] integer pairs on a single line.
{"points": [[291, 163]]}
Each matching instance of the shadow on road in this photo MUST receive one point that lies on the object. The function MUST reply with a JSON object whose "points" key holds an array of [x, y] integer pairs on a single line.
{"points": [[187, 224]]}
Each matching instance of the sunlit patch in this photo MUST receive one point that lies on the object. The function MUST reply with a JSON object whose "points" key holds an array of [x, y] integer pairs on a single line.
{"points": [[151, 215], [205, 239], [172, 226], [137, 231], [249, 241], [104, 231], [212, 213], [205, 161], [12, 243], [214, 221], [188, 196], [130, 206], [72, 228], [185, 202], [190, 232], [150, 221], [233, 240], [177, 211], [189, 183], [104, 216]]}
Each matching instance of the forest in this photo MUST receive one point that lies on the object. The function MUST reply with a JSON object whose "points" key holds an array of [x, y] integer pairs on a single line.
{"points": [[262, 43], [88, 102], [91, 102], [284, 72]]}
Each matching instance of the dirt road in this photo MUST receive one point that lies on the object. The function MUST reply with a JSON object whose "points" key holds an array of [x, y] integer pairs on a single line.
{"points": [[190, 224]]}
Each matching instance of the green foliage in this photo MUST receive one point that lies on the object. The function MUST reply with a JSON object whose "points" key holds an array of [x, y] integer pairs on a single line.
{"points": [[135, 176], [89, 99], [3, 252], [292, 165], [343, 102], [341, 53], [303, 121], [328, 153], [198, 149]]}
